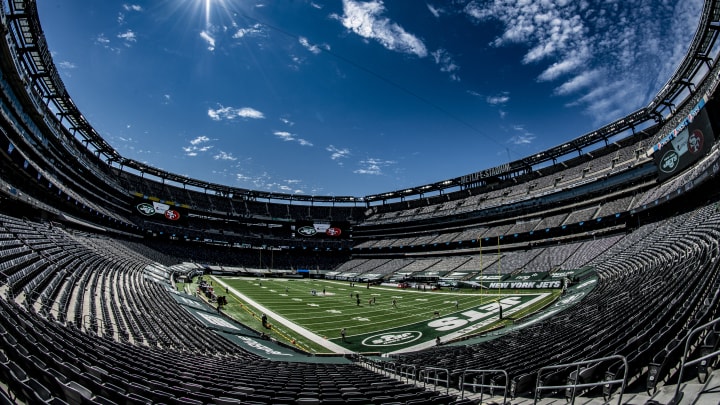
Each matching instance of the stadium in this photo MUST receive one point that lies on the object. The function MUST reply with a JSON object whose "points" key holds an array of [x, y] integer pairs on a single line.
{"points": [[586, 272]]}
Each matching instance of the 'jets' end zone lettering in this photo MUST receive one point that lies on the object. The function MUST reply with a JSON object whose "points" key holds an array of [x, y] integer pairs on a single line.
{"points": [[453, 322]]}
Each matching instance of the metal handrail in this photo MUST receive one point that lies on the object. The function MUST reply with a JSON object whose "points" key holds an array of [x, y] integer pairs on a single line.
{"points": [[573, 387], [481, 385], [389, 367], [683, 360], [432, 374], [407, 371]]}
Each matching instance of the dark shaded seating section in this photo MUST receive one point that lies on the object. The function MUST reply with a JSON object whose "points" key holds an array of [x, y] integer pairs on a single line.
{"points": [[46, 359], [93, 325], [654, 286]]}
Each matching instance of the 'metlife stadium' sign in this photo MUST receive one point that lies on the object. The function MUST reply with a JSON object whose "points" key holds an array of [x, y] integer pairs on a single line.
{"points": [[484, 174]]}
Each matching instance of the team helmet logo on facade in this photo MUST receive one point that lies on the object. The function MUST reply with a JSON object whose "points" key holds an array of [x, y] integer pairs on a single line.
{"points": [[146, 209], [669, 161]]}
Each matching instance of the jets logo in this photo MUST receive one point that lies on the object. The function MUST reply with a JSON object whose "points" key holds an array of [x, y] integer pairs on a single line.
{"points": [[172, 215], [307, 231], [146, 209], [669, 161], [392, 339], [695, 141]]}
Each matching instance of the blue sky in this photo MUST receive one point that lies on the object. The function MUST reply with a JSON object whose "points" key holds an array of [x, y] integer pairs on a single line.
{"points": [[357, 97]]}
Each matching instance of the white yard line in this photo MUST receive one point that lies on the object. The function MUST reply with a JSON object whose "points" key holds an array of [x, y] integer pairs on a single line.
{"points": [[335, 348]]}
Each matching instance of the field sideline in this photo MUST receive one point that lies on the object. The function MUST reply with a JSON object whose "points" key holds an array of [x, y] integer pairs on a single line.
{"points": [[372, 322]]}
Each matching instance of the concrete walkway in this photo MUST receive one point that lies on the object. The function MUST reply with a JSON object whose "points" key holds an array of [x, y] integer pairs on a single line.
{"points": [[332, 347]]}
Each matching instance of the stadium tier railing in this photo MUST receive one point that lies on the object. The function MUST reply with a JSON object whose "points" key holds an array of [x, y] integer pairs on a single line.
{"points": [[574, 380], [707, 355], [484, 380]]}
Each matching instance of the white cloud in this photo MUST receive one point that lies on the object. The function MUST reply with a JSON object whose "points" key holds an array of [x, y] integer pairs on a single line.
{"points": [[224, 156], [365, 19], [252, 31], [337, 153], [197, 145], [498, 100], [208, 39], [264, 181], [66, 65], [434, 10], [524, 137], [200, 139], [557, 69], [132, 7], [105, 42], [311, 47], [373, 166], [127, 36], [287, 136], [587, 79], [589, 45], [194, 150], [446, 62], [229, 113], [242, 177], [102, 39]]}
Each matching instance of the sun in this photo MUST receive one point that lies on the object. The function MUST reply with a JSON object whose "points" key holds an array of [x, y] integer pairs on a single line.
{"points": [[208, 4], [213, 8]]}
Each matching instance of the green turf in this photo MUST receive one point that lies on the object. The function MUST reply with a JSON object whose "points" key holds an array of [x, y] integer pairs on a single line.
{"points": [[418, 317]]}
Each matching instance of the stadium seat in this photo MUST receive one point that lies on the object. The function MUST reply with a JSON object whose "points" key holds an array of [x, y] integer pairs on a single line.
{"points": [[75, 393], [100, 400], [5, 398], [309, 401], [226, 401]]}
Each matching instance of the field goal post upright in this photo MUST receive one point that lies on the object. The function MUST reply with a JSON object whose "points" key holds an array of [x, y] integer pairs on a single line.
{"points": [[481, 269], [499, 267]]}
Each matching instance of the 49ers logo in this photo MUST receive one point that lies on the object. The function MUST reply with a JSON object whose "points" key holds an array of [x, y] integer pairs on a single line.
{"points": [[333, 232], [172, 215], [695, 141]]}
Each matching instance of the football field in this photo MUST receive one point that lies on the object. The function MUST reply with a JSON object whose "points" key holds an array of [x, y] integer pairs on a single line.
{"points": [[385, 319]]}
